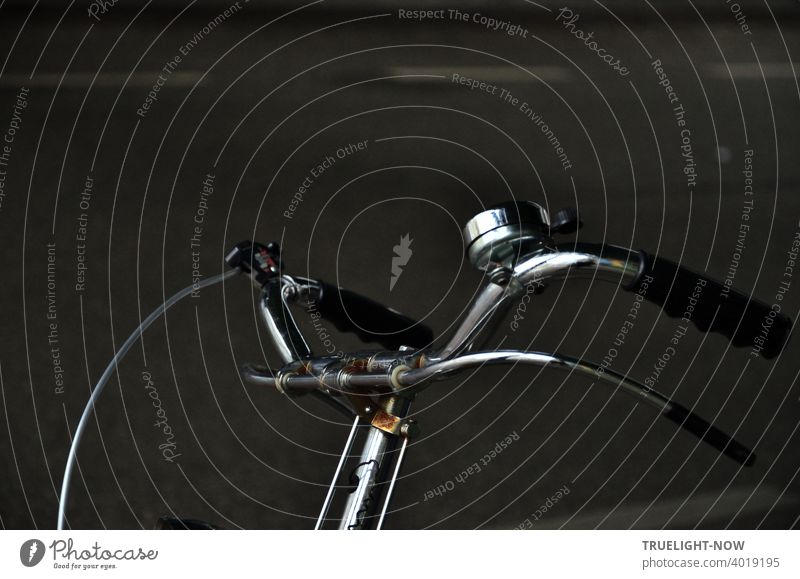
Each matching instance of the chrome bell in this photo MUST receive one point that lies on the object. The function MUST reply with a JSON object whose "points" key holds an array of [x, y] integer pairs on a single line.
{"points": [[504, 233]]}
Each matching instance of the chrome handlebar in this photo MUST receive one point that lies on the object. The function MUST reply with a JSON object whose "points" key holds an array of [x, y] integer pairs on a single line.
{"points": [[611, 263], [404, 373], [511, 243]]}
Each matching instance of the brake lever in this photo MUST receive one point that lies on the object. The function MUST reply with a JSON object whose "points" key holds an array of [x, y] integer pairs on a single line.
{"points": [[261, 262]]}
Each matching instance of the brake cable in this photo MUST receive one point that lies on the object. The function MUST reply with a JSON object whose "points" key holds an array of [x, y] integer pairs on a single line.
{"points": [[112, 366]]}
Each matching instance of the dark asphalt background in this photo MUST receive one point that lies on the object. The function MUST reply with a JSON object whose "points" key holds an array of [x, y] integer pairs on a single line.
{"points": [[268, 95]]}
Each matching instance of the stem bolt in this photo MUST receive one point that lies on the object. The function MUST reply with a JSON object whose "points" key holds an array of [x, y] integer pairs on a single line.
{"points": [[500, 276]]}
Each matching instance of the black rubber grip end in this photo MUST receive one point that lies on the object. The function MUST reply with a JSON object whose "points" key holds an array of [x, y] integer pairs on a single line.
{"points": [[370, 320], [710, 434], [681, 292]]}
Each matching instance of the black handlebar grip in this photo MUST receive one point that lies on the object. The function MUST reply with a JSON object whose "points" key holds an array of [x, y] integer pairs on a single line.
{"points": [[710, 434], [369, 320], [685, 294]]}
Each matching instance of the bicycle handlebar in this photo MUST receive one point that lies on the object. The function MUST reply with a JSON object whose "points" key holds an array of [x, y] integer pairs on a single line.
{"points": [[512, 243], [680, 292]]}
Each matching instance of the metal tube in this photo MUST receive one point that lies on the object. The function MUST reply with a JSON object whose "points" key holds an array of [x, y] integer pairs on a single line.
{"points": [[613, 263], [284, 379], [489, 303], [347, 446], [362, 501], [388, 498], [375, 459], [608, 262], [684, 417], [439, 369]]}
